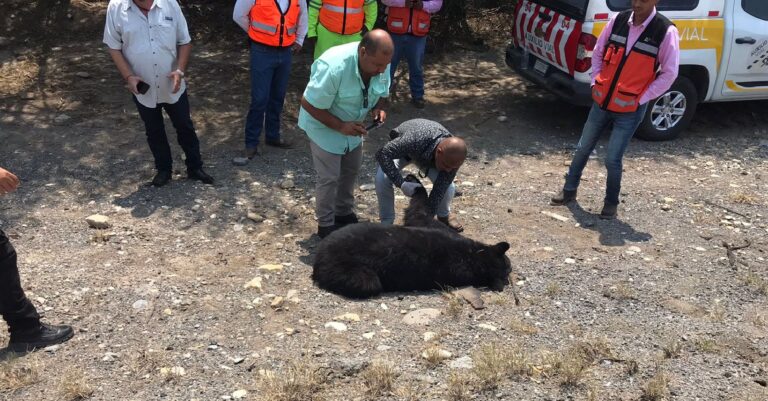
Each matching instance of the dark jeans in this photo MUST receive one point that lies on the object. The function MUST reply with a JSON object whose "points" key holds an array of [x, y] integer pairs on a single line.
{"points": [[16, 309], [185, 132], [412, 48], [270, 68], [624, 126]]}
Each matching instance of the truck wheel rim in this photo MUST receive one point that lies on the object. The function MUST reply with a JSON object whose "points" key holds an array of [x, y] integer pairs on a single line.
{"points": [[668, 110]]}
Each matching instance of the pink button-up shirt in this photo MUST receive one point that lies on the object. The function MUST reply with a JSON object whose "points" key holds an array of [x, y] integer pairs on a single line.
{"points": [[669, 55]]}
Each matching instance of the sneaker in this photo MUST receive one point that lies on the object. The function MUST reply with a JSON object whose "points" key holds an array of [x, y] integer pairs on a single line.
{"points": [[342, 221], [323, 232], [562, 198], [31, 339], [609, 211], [161, 178]]}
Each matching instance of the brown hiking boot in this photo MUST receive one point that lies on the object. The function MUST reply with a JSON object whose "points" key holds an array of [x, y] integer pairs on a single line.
{"points": [[562, 198]]}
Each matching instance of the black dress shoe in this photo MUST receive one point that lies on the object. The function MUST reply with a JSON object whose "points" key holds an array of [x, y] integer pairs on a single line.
{"points": [[278, 143], [609, 211], [39, 337], [323, 232], [418, 103], [200, 175], [342, 221], [161, 178], [562, 198]]}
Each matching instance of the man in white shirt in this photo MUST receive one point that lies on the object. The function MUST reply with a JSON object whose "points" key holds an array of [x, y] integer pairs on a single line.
{"points": [[276, 29], [150, 44]]}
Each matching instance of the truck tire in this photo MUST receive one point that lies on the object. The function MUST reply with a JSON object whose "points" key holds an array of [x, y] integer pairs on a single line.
{"points": [[671, 113]]}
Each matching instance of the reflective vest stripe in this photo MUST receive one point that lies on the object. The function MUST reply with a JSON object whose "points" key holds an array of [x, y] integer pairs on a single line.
{"points": [[619, 39], [264, 27], [398, 24], [291, 30], [338, 9], [647, 48], [623, 103]]}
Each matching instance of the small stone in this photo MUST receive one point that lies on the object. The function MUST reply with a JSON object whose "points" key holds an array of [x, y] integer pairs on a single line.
{"points": [[140, 304], [665, 207], [255, 217], [83, 74], [700, 249], [554, 215], [238, 360], [501, 119], [367, 187], [287, 184], [52, 348], [487, 326], [440, 354], [429, 336], [336, 326], [348, 317], [277, 302], [368, 335], [421, 316], [254, 283], [61, 119], [240, 161], [239, 394], [384, 306], [109, 357], [383, 348], [98, 221], [635, 249], [465, 362], [273, 267], [570, 261], [467, 184]]}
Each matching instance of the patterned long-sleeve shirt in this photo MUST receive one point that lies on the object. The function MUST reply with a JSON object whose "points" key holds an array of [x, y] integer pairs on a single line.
{"points": [[416, 143]]}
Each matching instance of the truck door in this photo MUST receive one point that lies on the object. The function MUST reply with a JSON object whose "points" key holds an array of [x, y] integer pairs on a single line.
{"points": [[747, 69]]}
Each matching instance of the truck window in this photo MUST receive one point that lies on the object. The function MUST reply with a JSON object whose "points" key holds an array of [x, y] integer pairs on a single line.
{"points": [[664, 5], [756, 8], [572, 8]]}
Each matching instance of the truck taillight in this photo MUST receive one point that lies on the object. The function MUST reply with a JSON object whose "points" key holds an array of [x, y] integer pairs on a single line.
{"points": [[587, 43]]}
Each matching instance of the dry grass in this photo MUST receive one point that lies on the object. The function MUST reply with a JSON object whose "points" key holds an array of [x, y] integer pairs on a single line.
{"points": [[459, 387], [553, 290], [683, 307], [411, 392], [743, 198], [379, 377], [631, 367], [17, 76], [454, 304], [717, 313], [519, 326], [16, 374], [672, 348], [432, 354], [758, 283], [707, 345], [74, 386], [657, 388], [490, 365], [300, 381], [757, 317], [575, 362], [619, 292]]}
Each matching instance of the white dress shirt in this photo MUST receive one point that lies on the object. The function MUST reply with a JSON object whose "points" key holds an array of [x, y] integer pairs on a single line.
{"points": [[149, 44], [242, 15]]}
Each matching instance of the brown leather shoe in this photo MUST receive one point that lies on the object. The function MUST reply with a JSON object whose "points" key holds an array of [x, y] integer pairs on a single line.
{"points": [[279, 143], [452, 223]]}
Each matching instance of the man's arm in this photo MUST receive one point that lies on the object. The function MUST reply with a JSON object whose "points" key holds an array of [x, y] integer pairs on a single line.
{"points": [[312, 17], [301, 31], [177, 75], [331, 121], [371, 10], [599, 50], [241, 13], [125, 70], [439, 187], [394, 150], [669, 63], [379, 111]]}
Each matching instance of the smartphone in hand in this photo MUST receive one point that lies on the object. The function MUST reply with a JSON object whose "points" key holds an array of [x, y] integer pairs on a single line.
{"points": [[142, 87], [374, 125]]}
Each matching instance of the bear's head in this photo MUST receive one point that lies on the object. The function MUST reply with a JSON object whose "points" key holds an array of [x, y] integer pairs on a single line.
{"points": [[496, 265]]}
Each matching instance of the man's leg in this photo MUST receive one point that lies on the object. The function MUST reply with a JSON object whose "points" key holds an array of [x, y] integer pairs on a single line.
{"points": [[396, 55], [277, 91], [596, 122], [624, 127], [385, 194], [156, 138], [345, 194], [414, 52], [16, 309], [327, 167], [262, 69], [185, 130]]}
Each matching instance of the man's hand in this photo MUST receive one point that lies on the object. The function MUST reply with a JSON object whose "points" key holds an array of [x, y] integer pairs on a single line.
{"points": [[352, 129], [409, 188], [176, 76], [131, 83], [8, 181], [379, 115], [296, 48]]}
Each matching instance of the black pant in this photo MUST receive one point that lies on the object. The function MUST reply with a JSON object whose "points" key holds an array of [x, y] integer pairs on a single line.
{"points": [[185, 132], [16, 309]]}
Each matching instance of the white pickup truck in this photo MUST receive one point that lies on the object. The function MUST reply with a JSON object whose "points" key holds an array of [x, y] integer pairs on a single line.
{"points": [[723, 57]]}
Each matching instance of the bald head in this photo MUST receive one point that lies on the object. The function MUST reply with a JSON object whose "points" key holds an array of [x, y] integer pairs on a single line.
{"points": [[377, 40], [450, 153]]}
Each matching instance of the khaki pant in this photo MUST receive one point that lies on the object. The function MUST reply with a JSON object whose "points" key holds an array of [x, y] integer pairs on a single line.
{"points": [[336, 178]]}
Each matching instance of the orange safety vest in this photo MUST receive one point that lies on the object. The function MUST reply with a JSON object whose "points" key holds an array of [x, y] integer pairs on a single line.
{"points": [[399, 19], [342, 16], [626, 75], [271, 26]]}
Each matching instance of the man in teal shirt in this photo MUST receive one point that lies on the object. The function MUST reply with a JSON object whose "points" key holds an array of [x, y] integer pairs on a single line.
{"points": [[346, 83]]}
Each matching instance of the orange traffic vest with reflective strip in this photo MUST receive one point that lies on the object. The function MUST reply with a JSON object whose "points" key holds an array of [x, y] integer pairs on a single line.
{"points": [[626, 75], [400, 18], [271, 26], [342, 16]]}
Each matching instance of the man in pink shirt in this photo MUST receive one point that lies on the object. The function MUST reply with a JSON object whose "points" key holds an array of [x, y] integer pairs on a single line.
{"points": [[408, 24], [635, 60]]}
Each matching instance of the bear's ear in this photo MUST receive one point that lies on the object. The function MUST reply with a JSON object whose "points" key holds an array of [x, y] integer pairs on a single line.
{"points": [[501, 247]]}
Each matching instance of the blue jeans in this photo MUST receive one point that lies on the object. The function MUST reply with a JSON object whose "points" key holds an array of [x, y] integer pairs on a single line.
{"points": [[385, 192], [412, 47], [270, 68], [624, 126], [185, 133]]}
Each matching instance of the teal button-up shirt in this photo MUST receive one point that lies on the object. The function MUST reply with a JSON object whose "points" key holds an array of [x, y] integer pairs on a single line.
{"points": [[335, 85]]}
